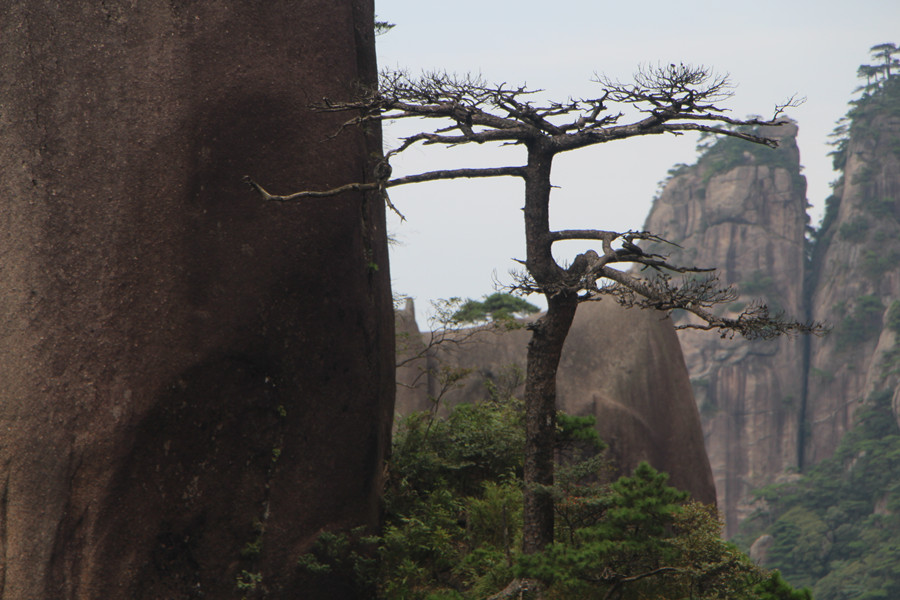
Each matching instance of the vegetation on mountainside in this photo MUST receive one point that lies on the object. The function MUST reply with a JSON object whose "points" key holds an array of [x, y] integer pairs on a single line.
{"points": [[873, 218], [837, 528], [860, 324], [454, 522], [717, 155], [721, 154], [878, 96]]}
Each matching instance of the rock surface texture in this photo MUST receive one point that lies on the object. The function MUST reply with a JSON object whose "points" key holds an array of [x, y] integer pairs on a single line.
{"points": [[183, 365], [622, 366]]}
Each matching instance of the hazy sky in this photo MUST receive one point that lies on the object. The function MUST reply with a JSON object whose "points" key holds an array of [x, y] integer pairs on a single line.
{"points": [[459, 235]]}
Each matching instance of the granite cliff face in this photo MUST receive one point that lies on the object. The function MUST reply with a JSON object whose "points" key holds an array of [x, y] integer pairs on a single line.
{"points": [[770, 409], [178, 361], [622, 366], [742, 208], [857, 276]]}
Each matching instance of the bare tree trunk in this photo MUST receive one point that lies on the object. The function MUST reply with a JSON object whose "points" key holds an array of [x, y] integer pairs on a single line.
{"points": [[544, 349]]}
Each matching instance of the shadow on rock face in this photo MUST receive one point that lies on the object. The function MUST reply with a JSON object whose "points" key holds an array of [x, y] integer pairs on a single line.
{"points": [[196, 481]]}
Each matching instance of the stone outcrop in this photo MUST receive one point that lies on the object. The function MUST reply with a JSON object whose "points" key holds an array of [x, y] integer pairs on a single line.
{"points": [[622, 366], [742, 208], [195, 384]]}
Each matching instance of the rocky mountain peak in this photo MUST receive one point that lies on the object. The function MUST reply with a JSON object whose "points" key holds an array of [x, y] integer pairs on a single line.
{"points": [[771, 409], [742, 208]]}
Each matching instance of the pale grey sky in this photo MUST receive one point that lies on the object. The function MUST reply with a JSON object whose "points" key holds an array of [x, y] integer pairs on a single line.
{"points": [[458, 234]]}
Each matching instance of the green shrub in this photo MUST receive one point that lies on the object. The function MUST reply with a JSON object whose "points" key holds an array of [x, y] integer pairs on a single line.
{"points": [[453, 521], [723, 153], [759, 283], [893, 316], [826, 528], [649, 543], [496, 307], [855, 230], [445, 539], [825, 376], [879, 207], [862, 324], [877, 263], [864, 176]]}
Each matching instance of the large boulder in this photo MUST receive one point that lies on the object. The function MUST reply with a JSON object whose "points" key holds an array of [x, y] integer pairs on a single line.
{"points": [[195, 384], [623, 366]]}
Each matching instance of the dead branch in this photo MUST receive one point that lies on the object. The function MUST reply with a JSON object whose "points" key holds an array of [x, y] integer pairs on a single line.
{"points": [[458, 174], [350, 187], [699, 296]]}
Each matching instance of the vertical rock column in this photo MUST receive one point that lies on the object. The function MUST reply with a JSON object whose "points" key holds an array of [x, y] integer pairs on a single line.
{"points": [[194, 383], [858, 281], [742, 209]]}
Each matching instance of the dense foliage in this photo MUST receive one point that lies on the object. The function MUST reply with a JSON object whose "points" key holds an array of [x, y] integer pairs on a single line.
{"points": [[454, 520], [860, 324], [496, 307], [721, 154], [837, 528], [878, 95]]}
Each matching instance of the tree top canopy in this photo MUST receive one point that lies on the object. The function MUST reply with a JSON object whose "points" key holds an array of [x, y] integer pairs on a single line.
{"points": [[664, 98], [496, 307], [668, 98]]}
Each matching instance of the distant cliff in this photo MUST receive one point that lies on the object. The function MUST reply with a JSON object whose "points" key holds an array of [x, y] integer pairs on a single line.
{"points": [[856, 274], [835, 527], [743, 208], [772, 409]]}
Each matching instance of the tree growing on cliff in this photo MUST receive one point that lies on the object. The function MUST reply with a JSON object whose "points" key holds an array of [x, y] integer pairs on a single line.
{"points": [[466, 110], [884, 53]]}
